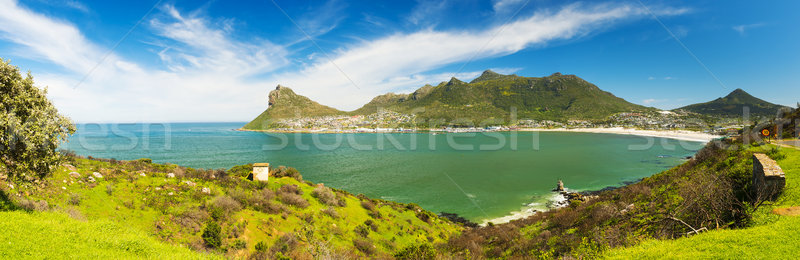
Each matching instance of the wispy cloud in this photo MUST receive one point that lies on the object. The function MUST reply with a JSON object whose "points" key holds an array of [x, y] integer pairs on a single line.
{"points": [[371, 63], [426, 11], [743, 28]]}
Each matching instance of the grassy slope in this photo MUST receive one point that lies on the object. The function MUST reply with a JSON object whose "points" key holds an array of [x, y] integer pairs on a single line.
{"points": [[732, 106], [287, 104], [772, 235], [56, 235], [143, 203]]}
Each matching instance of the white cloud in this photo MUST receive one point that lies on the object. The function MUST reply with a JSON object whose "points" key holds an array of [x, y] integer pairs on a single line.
{"points": [[742, 29], [208, 74], [651, 78], [371, 63], [427, 11]]}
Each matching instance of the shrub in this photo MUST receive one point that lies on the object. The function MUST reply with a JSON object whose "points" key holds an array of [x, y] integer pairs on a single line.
{"points": [[261, 247], [271, 208], [330, 211], [212, 235], [294, 200], [240, 170], [371, 224], [368, 205], [416, 252], [290, 188], [260, 197], [362, 230], [75, 199], [238, 244], [364, 246], [109, 189], [241, 196], [32, 205], [283, 171], [284, 245], [325, 195], [226, 204]]}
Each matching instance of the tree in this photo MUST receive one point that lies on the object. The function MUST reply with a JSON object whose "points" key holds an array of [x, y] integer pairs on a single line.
{"points": [[212, 235], [30, 127]]}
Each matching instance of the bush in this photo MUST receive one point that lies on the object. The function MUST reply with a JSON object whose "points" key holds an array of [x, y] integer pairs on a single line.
{"points": [[238, 244], [224, 205], [416, 252], [109, 189], [212, 235], [330, 211], [290, 188], [261, 247], [283, 171], [325, 195], [368, 205], [240, 170], [362, 230], [294, 200], [364, 246], [261, 197], [75, 199]]}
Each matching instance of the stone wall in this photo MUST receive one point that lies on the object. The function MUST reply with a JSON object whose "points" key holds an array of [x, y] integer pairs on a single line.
{"points": [[768, 177]]}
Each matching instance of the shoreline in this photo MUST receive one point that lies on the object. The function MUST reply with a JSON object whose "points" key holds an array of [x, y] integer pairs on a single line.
{"points": [[683, 135]]}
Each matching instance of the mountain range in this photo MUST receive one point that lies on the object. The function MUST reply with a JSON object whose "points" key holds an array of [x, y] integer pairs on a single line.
{"points": [[492, 98], [489, 98]]}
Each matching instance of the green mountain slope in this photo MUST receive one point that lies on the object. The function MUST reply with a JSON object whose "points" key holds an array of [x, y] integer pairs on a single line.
{"points": [[733, 104], [492, 97], [284, 103], [488, 99]]}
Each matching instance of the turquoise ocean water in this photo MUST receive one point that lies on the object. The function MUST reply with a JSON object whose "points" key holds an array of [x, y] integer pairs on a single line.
{"points": [[480, 176]]}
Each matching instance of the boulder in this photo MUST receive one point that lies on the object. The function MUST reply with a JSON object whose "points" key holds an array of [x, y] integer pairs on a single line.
{"points": [[97, 175], [75, 174], [170, 175], [91, 179], [205, 190], [190, 183]]}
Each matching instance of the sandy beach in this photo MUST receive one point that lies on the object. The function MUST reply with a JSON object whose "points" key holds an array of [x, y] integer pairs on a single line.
{"points": [[673, 134]]}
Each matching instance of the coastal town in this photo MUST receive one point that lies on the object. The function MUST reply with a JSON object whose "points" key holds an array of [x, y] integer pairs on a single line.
{"points": [[393, 122]]}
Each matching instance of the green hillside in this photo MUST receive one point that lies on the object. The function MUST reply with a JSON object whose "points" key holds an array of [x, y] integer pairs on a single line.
{"points": [[284, 103], [51, 235], [733, 104], [771, 236], [137, 208]]}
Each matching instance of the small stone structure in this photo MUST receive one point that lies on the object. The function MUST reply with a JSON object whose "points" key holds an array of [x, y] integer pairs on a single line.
{"points": [[261, 171], [768, 178]]}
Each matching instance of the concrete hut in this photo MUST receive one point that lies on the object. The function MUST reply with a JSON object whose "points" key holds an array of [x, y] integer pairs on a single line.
{"points": [[261, 171]]}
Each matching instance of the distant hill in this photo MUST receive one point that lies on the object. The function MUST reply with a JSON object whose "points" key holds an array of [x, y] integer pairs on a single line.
{"points": [[492, 96], [284, 103], [489, 98], [733, 104]]}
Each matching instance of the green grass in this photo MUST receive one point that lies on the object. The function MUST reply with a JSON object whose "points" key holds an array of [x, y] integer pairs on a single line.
{"points": [[43, 235], [771, 236]]}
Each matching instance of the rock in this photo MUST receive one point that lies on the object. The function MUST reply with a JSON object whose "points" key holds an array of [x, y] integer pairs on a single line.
{"points": [[170, 193], [11, 186], [75, 174], [190, 183], [560, 186], [205, 190], [69, 167], [143, 175], [97, 175], [158, 188], [91, 179], [63, 188], [170, 175]]}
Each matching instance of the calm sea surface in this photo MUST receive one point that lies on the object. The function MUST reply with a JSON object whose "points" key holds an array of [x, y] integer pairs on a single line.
{"points": [[479, 176]]}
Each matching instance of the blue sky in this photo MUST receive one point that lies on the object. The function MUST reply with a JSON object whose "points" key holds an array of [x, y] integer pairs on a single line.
{"points": [[180, 61]]}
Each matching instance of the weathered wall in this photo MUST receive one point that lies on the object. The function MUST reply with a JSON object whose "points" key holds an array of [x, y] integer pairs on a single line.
{"points": [[768, 178], [261, 172]]}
